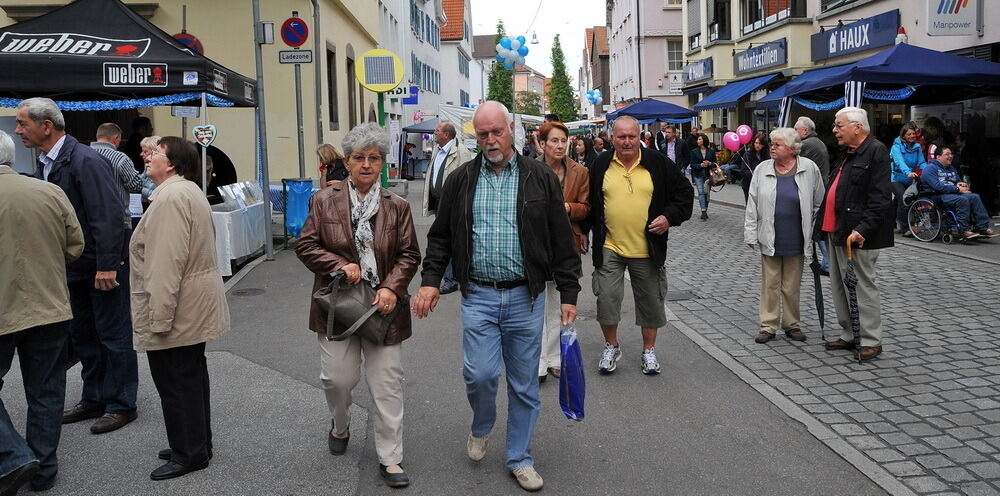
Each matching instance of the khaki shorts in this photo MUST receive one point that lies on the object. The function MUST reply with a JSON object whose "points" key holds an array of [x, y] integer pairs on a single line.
{"points": [[649, 287]]}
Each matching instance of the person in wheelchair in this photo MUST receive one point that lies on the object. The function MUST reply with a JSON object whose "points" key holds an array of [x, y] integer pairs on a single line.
{"points": [[941, 178]]}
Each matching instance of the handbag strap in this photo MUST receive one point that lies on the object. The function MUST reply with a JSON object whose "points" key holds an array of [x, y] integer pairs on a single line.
{"points": [[350, 330], [334, 288]]}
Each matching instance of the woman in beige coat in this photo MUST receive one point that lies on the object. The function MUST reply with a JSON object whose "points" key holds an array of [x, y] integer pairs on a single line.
{"points": [[178, 302]]}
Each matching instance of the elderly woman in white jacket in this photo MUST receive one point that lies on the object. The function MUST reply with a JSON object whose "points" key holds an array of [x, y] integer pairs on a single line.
{"points": [[785, 194]]}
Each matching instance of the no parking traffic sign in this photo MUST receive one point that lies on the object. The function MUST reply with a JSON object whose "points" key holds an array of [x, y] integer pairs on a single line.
{"points": [[294, 32]]}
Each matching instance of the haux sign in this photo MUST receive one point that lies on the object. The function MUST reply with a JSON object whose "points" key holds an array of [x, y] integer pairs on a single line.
{"points": [[953, 17], [769, 54], [868, 33], [697, 70]]}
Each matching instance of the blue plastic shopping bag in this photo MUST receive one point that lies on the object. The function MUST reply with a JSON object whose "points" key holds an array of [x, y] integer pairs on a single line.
{"points": [[572, 386]]}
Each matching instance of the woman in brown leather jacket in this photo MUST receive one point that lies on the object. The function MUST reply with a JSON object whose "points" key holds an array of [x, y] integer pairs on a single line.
{"points": [[367, 232], [575, 181]]}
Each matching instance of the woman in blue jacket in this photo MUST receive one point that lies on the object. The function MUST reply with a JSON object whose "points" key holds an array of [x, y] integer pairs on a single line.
{"points": [[702, 160], [907, 157]]}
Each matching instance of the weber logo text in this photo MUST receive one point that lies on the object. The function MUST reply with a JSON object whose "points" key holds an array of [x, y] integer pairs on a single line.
{"points": [[134, 75], [72, 44]]}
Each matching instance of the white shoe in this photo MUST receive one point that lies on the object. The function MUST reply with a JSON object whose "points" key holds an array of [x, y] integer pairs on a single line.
{"points": [[476, 447], [527, 478]]}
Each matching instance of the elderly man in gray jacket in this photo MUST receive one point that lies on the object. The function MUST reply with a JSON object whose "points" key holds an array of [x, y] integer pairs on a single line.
{"points": [[448, 155], [814, 149], [42, 235]]}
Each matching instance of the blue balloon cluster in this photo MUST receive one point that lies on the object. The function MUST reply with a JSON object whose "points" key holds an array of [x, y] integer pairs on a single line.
{"points": [[595, 97], [511, 51]]}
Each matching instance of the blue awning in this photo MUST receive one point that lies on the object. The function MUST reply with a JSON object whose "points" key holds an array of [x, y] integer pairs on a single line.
{"points": [[773, 98], [694, 90], [728, 95]]}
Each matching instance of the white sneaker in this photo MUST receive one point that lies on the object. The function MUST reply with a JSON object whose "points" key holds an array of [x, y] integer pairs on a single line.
{"points": [[527, 478], [476, 447], [609, 359], [650, 366]]}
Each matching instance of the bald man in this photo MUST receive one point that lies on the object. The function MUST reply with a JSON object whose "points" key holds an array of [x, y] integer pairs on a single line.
{"points": [[502, 224]]}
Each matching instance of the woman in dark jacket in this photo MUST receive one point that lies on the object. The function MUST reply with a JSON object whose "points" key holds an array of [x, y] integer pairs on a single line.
{"points": [[357, 228], [583, 152], [702, 160], [749, 157], [331, 165]]}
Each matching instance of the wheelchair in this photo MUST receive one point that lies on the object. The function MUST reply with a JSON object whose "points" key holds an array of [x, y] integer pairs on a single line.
{"points": [[929, 218]]}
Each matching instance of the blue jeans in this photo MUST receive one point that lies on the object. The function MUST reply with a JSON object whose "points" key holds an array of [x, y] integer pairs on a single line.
{"points": [[503, 323], [969, 209], [101, 331], [823, 250], [730, 170], [699, 187], [41, 352], [448, 279]]}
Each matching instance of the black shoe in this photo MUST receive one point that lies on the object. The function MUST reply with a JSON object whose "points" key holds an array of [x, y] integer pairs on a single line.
{"points": [[795, 334], [112, 422], [542, 378], [172, 470], [12, 482], [704, 215], [338, 445], [394, 480], [80, 412], [764, 336], [165, 454]]}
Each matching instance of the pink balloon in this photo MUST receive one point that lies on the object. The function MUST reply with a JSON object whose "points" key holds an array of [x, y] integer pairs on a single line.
{"points": [[731, 140], [745, 133]]}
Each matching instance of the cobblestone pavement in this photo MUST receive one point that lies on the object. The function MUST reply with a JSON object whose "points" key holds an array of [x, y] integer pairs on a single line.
{"points": [[927, 410]]}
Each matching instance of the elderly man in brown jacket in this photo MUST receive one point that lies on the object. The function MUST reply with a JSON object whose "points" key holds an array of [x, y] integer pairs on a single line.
{"points": [[42, 235]]}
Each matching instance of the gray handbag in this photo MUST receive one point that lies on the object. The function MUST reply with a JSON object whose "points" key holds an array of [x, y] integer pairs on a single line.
{"points": [[350, 311]]}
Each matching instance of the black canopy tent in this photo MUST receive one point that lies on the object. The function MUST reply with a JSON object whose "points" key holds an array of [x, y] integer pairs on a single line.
{"points": [[100, 50]]}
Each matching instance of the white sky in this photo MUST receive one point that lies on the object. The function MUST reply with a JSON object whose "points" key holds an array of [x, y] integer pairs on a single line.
{"points": [[567, 18]]}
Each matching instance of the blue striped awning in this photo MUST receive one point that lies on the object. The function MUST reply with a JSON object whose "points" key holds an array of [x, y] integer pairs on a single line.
{"points": [[729, 95]]}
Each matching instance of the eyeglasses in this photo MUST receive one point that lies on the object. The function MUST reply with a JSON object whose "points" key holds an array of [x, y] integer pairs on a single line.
{"points": [[373, 159], [776, 145], [837, 125], [496, 133], [628, 181]]}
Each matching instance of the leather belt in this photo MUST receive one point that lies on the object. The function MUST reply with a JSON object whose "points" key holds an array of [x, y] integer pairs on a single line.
{"points": [[498, 285]]}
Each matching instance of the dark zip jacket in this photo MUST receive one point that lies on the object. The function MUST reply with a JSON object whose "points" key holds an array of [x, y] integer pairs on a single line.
{"points": [[673, 198], [543, 227]]}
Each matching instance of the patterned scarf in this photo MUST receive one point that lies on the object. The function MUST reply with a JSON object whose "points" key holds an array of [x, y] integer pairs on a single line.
{"points": [[362, 211]]}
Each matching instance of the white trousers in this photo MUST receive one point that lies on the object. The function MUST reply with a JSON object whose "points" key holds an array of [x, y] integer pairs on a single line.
{"points": [[551, 355], [340, 371]]}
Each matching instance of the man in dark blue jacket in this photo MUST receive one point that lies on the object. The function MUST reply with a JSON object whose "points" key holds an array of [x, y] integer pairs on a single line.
{"points": [[940, 177], [101, 329]]}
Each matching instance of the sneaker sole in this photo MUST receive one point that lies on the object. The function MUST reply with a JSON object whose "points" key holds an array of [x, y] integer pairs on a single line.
{"points": [[614, 365]]}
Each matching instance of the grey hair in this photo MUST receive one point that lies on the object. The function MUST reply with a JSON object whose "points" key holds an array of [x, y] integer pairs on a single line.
{"points": [[150, 142], [789, 136], [805, 122], [6, 149], [493, 103], [855, 114], [624, 118], [44, 109], [366, 135]]}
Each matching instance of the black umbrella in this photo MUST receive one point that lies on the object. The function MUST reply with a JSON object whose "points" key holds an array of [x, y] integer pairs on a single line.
{"points": [[818, 293], [851, 281]]}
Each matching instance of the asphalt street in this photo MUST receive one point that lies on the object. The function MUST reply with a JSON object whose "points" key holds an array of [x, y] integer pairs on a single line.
{"points": [[698, 428]]}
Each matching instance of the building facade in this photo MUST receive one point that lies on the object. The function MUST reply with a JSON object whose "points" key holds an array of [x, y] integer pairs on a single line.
{"points": [[600, 68], [456, 53], [532, 81], [645, 40]]}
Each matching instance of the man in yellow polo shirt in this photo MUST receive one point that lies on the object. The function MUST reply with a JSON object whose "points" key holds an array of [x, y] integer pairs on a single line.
{"points": [[623, 184]]}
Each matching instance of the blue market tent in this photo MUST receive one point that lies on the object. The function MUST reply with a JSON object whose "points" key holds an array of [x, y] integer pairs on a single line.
{"points": [[728, 95], [654, 110], [904, 64], [773, 98]]}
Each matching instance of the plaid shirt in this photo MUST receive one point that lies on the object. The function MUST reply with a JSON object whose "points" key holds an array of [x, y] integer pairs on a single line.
{"points": [[128, 179], [496, 242]]}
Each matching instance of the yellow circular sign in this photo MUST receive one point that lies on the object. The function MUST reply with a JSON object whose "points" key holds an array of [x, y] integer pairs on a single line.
{"points": [[379, 70]]}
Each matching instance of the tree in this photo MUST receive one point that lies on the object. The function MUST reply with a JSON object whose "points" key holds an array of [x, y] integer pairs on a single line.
{"points": [[529, 102], [560, 92], [501, 82]]}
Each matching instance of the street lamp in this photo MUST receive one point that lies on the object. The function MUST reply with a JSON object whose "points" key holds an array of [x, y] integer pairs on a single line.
{"points": [[534, 37]]}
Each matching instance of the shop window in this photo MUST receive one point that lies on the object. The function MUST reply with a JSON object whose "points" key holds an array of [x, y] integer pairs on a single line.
{"points": [[331, 88]]}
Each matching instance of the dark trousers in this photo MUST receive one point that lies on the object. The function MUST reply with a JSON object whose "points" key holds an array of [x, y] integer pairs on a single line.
{"points": [[181, 378], [41, 352], [901, 210], [101, 331]]}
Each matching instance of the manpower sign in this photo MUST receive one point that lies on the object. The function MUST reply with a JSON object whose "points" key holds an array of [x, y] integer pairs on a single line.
{"points": [[953, 17]]}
